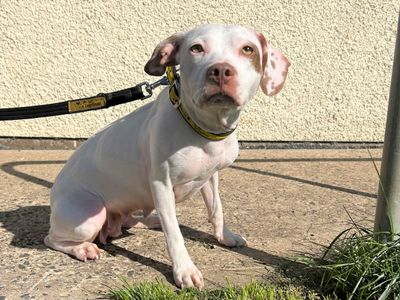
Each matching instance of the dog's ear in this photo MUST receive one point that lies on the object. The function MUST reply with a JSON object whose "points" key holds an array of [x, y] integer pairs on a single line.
{"points": [[165, 54], [275, 66]]}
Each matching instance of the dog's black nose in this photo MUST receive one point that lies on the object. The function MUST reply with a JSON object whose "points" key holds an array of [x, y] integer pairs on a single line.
{"points": [[221, 73]]}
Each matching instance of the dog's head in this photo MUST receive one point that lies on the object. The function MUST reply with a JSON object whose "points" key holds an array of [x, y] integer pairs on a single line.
{"points": [[221, 66]]}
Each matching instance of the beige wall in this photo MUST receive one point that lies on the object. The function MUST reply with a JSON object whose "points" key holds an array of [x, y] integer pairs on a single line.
{"points": [[341, 54]]}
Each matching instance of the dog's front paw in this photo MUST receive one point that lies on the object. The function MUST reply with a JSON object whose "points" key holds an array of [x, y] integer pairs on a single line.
{"points": [[187, 275], [231, 239]]}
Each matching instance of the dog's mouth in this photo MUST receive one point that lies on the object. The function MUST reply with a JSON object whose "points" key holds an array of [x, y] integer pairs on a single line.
{"points": [[221, 99]]}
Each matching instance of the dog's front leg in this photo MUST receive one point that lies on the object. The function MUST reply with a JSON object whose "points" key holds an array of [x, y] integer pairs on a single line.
{"points": [[185, 272], [215, 215]]}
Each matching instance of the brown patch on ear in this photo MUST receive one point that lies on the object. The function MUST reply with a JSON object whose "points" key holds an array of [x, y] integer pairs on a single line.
{"points": [[275, 72], [165, 54], [275, 67]]}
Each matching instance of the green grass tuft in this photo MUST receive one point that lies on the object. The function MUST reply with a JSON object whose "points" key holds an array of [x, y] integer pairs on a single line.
{"points": [[358, 265], [158, 290]]}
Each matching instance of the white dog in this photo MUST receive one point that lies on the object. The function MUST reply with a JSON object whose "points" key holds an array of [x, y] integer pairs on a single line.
{"points": [[165, 152]]}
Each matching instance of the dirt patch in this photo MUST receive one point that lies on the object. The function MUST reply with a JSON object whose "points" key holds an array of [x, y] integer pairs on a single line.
{"points": [[283, 201]]}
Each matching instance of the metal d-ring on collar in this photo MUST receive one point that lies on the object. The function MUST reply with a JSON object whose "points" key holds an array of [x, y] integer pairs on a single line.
{"points": [[173, 79]]}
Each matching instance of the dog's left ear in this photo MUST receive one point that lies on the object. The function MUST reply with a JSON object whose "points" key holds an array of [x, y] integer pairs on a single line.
{"points": [[275, 65], [165, 54]]}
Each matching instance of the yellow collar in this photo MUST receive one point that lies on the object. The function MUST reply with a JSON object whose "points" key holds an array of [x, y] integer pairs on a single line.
{"points": [[173, 80]]}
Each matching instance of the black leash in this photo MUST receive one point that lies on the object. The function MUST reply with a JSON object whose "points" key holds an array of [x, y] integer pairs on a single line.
{"points": [[141, 91]]}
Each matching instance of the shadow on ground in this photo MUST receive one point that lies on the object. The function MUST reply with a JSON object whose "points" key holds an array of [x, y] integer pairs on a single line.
{"points": [[10, 168], [30, 224]]}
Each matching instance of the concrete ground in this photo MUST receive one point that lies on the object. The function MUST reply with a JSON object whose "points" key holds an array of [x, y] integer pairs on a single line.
{"points": [[285, 202]]}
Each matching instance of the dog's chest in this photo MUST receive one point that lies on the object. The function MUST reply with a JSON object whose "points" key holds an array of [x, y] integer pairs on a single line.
{"points": [[195, 166]]}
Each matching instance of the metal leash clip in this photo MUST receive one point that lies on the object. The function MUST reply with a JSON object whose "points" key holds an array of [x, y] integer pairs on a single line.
{"points": [[149, 87]]}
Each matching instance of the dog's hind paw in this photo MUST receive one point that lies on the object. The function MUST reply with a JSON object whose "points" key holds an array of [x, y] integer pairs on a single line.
{"points": [[82, 251], [86, 251]]}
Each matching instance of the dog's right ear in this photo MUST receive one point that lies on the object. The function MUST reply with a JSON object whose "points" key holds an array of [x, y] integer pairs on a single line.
{"points": [[165, 54]]}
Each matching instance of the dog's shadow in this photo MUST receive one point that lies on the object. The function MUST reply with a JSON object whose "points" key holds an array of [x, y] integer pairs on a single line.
{"points": [[30, 224]]}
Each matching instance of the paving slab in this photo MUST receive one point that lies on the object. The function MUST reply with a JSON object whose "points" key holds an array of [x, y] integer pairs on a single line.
{"points": [[285, 202]]}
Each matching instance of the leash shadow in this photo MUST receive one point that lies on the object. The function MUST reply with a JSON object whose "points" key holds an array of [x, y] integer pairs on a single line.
{"points": [[10, 168], [265, 172]]}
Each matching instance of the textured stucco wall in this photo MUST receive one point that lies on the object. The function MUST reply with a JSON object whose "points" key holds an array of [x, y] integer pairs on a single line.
{"points": [[341, 54]]}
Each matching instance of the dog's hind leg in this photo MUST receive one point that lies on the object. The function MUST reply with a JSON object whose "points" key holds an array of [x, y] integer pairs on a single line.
{"points": [[76, 219]]}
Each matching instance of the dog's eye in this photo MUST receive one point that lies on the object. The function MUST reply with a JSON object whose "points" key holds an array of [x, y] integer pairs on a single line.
{"points": [[197, 48], [247, 50]]}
